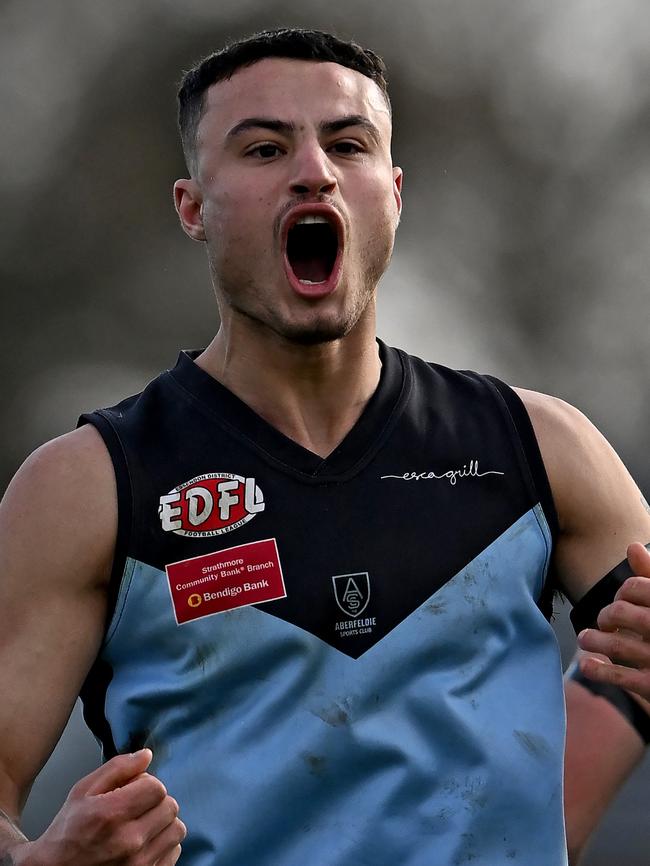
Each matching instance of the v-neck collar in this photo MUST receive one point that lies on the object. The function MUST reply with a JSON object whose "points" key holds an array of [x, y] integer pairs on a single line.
{"points": [[349, 457]]}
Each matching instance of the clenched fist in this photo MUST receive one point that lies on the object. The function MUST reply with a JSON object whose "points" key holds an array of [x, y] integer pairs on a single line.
{"points": [[119, 815]]}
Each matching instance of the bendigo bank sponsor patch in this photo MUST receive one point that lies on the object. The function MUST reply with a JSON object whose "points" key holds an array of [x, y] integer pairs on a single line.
{"points": [[225, 580]]}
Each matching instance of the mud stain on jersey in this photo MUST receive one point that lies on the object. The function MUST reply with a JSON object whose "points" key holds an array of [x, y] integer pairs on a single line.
{"points": [[336, 715], [467, 852], [203, 653], [469, 576], [477, 603], [450, 786], [474, 794], [436, 607], [438, 823], [316, 764], [534, 744]]}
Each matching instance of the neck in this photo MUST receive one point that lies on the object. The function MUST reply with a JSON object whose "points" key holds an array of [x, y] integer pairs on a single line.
{"points": [[312, 394]]}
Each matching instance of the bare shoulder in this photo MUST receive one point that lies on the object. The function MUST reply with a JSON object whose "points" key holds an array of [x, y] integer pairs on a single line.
{"points": [[63, 499], [77, 452], [575, 453], [578, 459], [600, 508], [554, 418]]}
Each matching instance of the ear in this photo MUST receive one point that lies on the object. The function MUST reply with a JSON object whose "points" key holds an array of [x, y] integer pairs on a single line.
{"points": [[398, 176], [189, 207]]}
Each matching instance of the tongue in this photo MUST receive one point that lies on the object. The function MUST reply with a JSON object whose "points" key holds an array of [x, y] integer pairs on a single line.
{"points": [[312, 268]]}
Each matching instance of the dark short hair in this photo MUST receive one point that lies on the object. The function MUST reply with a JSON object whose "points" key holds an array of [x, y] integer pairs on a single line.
{"points": [[291, 43]]}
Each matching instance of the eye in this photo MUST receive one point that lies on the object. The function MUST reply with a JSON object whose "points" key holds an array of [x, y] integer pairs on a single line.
{"points": [[347, 148], [266, 150]]}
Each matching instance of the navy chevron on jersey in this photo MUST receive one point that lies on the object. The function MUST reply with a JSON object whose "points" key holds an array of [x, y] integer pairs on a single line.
{"points": [[340, 660]]}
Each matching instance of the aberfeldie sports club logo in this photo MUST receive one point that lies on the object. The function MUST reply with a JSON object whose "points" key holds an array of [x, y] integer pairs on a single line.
{"points": [[210, 504], [352, 592]]}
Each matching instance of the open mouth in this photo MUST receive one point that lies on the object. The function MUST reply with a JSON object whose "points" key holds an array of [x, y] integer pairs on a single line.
{"points": [[312, 248]]}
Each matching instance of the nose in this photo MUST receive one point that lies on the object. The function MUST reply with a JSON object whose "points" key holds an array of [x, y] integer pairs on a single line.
{"points": [[312, 173]]}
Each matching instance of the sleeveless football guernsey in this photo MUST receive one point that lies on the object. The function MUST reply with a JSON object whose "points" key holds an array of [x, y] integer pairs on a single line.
{"points": [[341, 661]]}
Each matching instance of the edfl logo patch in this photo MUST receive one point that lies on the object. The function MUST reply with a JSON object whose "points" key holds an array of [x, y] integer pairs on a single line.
{"points": [[210, 504]]}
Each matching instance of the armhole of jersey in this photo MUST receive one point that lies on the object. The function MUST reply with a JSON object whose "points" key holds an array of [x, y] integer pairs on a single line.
{"points": [[124, 503], [529, 445], [524, 427]]}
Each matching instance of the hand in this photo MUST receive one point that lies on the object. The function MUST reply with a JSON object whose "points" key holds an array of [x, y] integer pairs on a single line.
{"points": [[119, 815], [622, 639]]}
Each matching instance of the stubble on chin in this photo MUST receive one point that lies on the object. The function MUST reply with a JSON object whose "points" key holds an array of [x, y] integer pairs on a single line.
{"points": [[318, 330], [313, 335]]}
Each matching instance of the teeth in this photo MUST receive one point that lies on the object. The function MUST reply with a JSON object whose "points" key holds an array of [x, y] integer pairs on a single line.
{"points": [[310, 219], [313, 282]]}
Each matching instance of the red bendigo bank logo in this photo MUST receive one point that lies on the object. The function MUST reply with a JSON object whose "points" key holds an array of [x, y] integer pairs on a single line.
{"points": [[210, 505]]}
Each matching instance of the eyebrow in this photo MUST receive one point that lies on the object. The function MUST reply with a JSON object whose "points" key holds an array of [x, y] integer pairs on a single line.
{"points": [[285, 127], [351, 120]]}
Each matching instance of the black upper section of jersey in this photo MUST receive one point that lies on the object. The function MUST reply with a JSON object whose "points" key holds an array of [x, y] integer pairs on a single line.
{"points": [[437, 454]]}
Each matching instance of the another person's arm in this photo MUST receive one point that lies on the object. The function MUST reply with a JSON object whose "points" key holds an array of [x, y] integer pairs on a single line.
{"points": [[57, 534], [603, 747]]}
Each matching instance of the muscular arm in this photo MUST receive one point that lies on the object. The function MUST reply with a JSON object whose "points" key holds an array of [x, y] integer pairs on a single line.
{"points": [[58, 526], [600, 508], [57, 533], [601, 512]]}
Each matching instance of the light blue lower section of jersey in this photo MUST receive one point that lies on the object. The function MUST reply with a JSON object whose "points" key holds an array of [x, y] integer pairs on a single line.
{"points": [[442, 745]]}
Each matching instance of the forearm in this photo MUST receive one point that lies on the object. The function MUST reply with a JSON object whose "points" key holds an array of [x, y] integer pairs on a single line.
{"points": [[602, 749]]}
